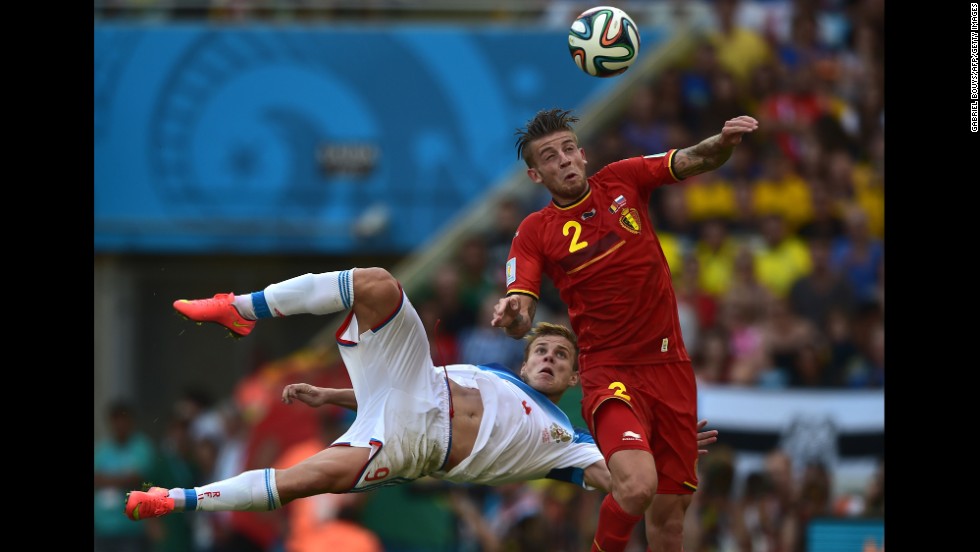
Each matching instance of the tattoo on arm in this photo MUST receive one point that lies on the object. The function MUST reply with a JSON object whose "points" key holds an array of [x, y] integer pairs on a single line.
{"points": [[705, 156], [522, 324]]}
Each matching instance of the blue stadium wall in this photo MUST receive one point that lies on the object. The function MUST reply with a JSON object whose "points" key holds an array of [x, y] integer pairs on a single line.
{"points": [[258, 140]]}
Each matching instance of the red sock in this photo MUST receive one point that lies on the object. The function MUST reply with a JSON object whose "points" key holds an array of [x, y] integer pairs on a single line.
{"points": [[615, 527]]}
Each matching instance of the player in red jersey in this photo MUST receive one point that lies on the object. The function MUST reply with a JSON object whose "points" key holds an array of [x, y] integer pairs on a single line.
{"points": [[596, 243]]}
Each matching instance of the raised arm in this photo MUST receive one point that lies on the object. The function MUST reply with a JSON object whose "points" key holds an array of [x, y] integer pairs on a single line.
{"points": [[515, 314], [713, 152], [314, 396]]}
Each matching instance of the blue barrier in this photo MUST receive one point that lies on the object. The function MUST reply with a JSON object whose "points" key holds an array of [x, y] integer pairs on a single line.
{"points": [[281, 140]]}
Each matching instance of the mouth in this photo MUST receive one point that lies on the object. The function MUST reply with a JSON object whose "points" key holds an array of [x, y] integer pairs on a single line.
{"points": [[548, 371]]}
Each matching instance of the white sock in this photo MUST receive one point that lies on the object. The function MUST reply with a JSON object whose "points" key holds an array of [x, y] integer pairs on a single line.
{"points": [[307, 294], [244, 305], [251, 491]]}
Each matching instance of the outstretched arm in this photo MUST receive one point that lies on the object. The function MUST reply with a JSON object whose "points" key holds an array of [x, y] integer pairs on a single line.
{"points": [[515, 314], [597, 476], [314, 396], [713, 152]]}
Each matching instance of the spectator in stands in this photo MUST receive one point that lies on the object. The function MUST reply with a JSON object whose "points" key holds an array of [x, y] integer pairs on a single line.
{"points": [[815, 498], [727, 101], [843, 350], [712, 359], [780, 472], [508, 214], [715, 252], [476, 278], [782, 258], [713, 505], [859, 184], [858, 254], [874, 493], [744, 223], [443, 303], [608, 146], [789, 339], [790, 111], [739, 48], [643, 128], [804, 44], [710, 198], [742, 316], [754, 520], [780, 190], [813, 295], [696, 80], [123, 460], [175, 464], [826, 222], [869, 372]]}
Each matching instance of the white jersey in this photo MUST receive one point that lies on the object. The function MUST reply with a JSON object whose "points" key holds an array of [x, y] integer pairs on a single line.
{"points": [[403, 403], [523, 435]]}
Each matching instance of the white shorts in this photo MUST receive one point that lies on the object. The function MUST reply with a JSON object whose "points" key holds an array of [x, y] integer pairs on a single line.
{"points": [[403, 400]]}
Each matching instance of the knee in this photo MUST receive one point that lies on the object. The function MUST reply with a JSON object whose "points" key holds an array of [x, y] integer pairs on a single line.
{"points": [[635, 494], [669, 532], [665, 530], [374, 281], [312, 478]]}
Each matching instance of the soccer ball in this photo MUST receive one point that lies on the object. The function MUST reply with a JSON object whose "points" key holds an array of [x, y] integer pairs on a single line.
{"points": [[603, 41]]}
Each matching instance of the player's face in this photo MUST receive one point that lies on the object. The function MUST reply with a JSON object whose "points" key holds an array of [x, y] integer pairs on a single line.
{"points": [[550, 366], [559, 166]]}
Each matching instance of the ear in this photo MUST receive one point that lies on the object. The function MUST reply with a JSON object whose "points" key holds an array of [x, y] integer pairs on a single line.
{"points": [[534, 175], [581, 152], [573, 381]]}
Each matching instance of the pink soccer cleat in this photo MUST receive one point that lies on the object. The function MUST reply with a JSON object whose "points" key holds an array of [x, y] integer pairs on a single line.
{"points": [[220, 309]]}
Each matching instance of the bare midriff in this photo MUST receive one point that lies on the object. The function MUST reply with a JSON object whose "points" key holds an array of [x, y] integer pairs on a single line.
{"points": [[467, 415]]}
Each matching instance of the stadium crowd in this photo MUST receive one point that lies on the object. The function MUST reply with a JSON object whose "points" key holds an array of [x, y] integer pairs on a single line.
{"points": [[778, 261]]}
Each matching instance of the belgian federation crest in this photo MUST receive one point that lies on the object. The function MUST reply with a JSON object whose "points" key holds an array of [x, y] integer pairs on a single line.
{"points": [[630, 220]]}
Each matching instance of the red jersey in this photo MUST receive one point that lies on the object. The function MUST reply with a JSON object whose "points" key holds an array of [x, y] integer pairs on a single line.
{"points": [[607, 263]]}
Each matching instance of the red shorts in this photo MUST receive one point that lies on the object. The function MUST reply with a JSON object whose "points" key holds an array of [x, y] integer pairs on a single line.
{"points": [[664, 399]]}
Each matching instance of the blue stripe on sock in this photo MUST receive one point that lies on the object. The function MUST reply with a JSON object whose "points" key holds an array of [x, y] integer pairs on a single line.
{"points": [[344, 280], [260, 305], [268, 489], [190, 500]]}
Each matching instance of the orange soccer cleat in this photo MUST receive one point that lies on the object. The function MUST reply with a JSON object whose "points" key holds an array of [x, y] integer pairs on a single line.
{"points": [[220, 309], [151, 503]]}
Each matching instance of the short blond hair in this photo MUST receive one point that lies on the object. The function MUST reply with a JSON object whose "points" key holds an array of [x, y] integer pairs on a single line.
{"points": [[543, 329]]}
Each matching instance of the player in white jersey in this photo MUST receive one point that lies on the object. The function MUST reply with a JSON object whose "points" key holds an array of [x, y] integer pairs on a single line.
{"points": [[461, 423]]}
